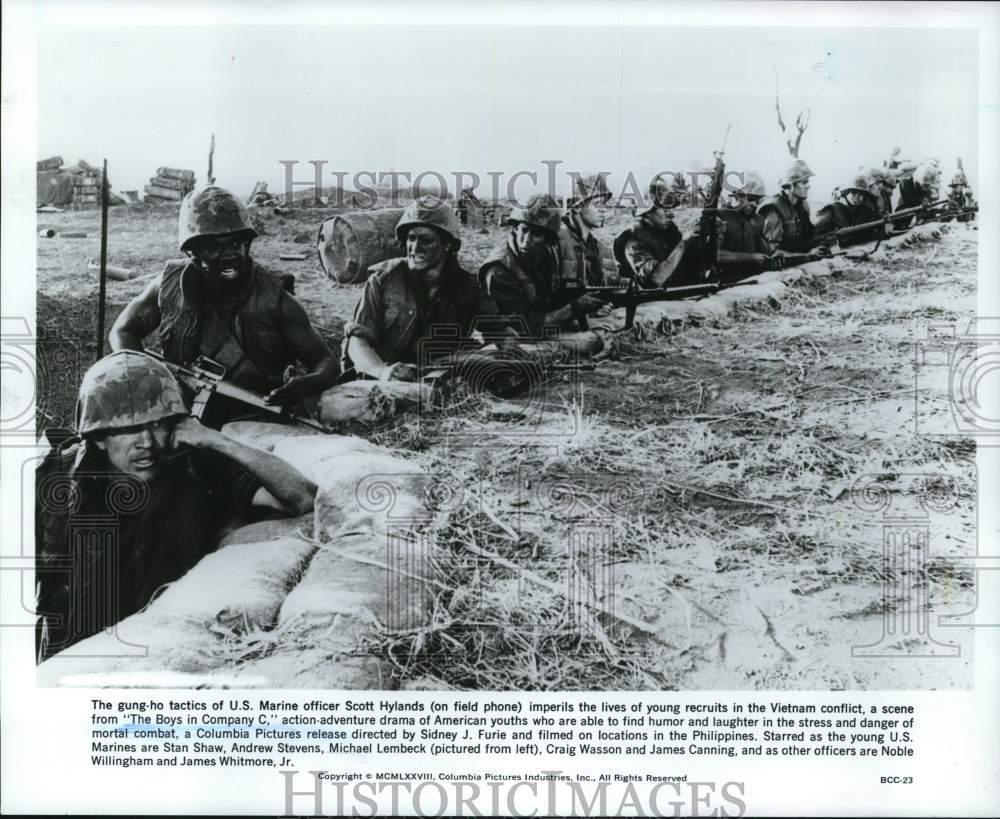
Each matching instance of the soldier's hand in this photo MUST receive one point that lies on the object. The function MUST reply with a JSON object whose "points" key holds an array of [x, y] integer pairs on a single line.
{"points": [[777, 261], [589, 302], [398, 372], [291, 392], [190, 433]]}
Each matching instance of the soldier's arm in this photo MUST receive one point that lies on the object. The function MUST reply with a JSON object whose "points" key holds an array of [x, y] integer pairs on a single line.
{"points": [[362, 334], [773, 231], [140, 317], [639, 259], [283, 487], [307, 346]]}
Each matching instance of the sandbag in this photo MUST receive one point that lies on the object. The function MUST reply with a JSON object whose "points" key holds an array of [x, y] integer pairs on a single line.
{"points": [[370, 401], [239, 586]]}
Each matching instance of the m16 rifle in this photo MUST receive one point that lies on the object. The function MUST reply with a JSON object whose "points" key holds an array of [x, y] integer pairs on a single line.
{"points": [[923, 213], [205, 378], [708, 228]]}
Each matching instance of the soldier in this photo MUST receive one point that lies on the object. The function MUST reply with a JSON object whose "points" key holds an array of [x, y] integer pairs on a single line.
{"points": [[860, 204], [220, 304], [787, 225], [741, 242], [960, 196], [166, 483], [580, 251], [643, 249], [419, 306], [522, 274]]}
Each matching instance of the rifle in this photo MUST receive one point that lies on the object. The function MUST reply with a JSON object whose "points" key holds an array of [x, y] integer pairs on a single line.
{"points": [[920, 210], [953, 213], [502, 374], [206, 378], [632, 295], [707, 227]]}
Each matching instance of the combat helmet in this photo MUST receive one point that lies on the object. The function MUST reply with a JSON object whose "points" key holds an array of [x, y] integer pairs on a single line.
{"points": [[798, 171], [433, 212], [588, 188], [863, 183], [959, 180], [127, 389], [541, 211], [753, 185], [212, 211]]}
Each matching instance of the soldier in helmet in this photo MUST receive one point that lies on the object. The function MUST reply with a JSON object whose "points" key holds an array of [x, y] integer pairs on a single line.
{"points": [[960, 196], [787, 225], [579, 249], [643, 249], [424, 296], [167, 484], [741, 242], [860, 203], [522, 274], [220, 304]]}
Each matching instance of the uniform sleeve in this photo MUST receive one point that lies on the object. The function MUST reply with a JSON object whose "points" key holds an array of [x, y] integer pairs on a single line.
{"points": [[489, 321], [773, 231], [368, 315], [639, 259], [503, 289], [231, 487]]}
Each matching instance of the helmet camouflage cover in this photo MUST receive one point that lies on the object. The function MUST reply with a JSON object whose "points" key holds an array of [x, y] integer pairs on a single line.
{"points": [[431, 211], [212, 211], [127, 389], [863, 183], [798, 171], [541, 211], [753, 185]]}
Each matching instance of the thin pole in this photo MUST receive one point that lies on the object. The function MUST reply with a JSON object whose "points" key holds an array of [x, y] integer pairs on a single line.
{"points": [[104, 262]]}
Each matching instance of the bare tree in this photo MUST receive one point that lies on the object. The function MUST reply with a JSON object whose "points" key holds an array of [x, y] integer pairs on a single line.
{"points": [[801, 121]]}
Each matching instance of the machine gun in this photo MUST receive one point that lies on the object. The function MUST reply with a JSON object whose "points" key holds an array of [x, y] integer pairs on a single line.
{"points": [[924, 213], [632, 295], [206, 378]]}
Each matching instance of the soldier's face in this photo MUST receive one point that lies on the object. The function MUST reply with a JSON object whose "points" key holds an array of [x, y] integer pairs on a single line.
{"points": [[592, 213], [425, 248], [800, 188], [138, 451], [530, 239], [854, 198], [223, 257]]}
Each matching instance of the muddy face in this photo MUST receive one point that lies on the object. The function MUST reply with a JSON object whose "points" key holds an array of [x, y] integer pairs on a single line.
{"points": [[425, 248]]}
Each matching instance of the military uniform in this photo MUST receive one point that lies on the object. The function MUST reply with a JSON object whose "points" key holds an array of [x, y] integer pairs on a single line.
{"points": [[787, 226], [580, 255], [396, 315], [641, 247], [524, 290], [244, 335]]}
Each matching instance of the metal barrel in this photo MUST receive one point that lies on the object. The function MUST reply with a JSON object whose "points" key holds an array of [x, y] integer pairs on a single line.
{"points": [[350, 243]]}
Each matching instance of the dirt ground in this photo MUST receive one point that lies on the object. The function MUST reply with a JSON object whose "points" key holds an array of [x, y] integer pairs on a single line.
{"points": [[720, 492]]}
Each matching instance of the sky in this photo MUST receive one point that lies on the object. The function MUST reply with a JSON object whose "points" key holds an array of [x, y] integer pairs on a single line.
{"points": [[480, 99]]}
